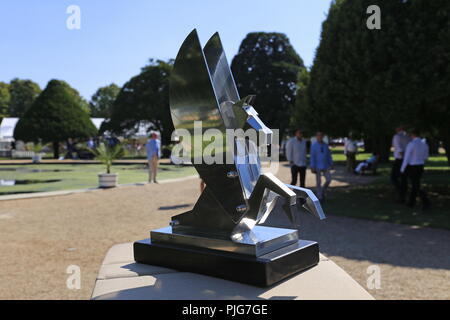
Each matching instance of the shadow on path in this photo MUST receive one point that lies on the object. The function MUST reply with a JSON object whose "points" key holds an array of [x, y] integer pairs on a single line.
{"points": [[378, 242], [180, 206]]}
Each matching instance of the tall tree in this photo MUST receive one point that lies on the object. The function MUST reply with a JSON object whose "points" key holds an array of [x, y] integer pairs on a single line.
{"points": [[268, 66], [427, 52], [144, 98], [23, 93], [370, 81], [298, 119], [55, 116], [102, 101], [5, 99]]}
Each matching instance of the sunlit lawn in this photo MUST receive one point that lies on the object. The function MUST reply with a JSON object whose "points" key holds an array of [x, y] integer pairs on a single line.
{"points": [[52, 177], [378, 201], [375, 201]]}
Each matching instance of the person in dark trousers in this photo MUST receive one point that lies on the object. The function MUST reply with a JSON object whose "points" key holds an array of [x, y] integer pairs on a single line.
{"points": [[296, 154], [70, 144], [416, 154], [350, 151], [399, 180], [321, 164]]}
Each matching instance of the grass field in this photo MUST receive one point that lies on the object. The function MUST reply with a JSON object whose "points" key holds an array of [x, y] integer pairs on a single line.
{"points": [[49, 177], [378, 201]]}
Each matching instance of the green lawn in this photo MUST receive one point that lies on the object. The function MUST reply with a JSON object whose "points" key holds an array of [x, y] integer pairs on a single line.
{"points": [[49, 177], [377, 201]]}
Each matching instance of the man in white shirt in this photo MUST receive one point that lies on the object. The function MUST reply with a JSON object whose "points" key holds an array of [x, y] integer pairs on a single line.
{"points": [[399, 180], [296, 154], [416, 155], [350, 150]]}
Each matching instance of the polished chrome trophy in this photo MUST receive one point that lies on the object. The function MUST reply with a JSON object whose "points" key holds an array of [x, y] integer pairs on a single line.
{"points": [[222, 235]]}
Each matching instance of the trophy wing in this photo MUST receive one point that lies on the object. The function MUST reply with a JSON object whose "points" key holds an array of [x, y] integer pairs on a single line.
{"points": [[192, 95], [219, 69], [193, 98]]}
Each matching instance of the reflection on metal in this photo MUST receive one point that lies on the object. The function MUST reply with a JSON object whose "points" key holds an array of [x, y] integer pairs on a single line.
{"points": [[220, 71], [202, 88], [260, 241], [238, 196]]}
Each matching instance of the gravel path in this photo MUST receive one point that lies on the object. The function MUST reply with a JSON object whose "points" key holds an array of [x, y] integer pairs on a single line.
{"points": [[41, 237]]}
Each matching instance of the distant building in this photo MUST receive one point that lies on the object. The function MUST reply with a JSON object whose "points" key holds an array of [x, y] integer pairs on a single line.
{"points": [[7, 126]]}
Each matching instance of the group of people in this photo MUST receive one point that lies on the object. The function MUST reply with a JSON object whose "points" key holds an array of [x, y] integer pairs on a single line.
{"points": [[321, 162], [410, 153], [75, 150], [351, 150], [152, 146]]}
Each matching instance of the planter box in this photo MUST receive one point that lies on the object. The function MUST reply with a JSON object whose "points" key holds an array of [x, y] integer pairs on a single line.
{"points": [[37, 157], [107, 180]]}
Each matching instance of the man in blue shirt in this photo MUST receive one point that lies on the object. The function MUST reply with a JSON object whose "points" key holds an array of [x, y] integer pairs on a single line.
{"points": [[153, 147], [321, 163]]}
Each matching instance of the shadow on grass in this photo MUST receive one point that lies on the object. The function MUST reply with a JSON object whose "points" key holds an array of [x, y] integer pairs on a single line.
{"points": [[377, 201]]}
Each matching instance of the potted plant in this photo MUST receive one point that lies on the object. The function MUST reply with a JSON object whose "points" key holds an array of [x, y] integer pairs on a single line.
{"points": [[107, 155], [37, 152]]}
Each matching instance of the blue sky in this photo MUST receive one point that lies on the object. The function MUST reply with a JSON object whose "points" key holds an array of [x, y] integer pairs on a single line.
{"points": [[118, 37]]}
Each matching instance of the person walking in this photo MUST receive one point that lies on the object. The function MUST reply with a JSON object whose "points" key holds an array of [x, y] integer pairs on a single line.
{"points": [[399, 180], [416, 155], [296, 154], [350, 151], [90, 143], [153, 147], [70, 145], [321, 164]]}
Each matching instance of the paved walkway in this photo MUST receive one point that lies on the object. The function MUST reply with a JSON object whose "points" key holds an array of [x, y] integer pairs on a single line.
{"points": [[42, 237]]}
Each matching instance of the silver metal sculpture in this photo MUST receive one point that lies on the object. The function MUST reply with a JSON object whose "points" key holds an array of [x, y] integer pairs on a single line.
{"points": [[238, 196]]}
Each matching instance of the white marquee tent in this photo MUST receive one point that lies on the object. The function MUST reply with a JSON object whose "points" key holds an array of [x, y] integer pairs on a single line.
{"points": [[7, 126]]}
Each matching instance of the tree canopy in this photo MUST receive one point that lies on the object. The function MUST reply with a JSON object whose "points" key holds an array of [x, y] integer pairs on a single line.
{"points": [[22, 95], [370, 81], [268, 66], [144, 98], [102, 101], [55, 116]]}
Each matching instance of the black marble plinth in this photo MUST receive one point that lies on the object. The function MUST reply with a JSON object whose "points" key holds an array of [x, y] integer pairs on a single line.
{"points": [[260, 271]]}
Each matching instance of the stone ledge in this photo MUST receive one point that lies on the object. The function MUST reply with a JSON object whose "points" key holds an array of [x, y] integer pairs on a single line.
{"points": [[120, 278]]}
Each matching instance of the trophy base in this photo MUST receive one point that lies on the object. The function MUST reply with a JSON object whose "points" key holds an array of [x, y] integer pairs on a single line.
{"points": [[262, 271]]}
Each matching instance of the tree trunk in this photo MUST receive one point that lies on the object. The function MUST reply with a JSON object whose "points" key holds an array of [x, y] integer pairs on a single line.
{"points": [[382, 146], [446, 142], [445, 137], [56, 149], [368, 145], [433, 144]]}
